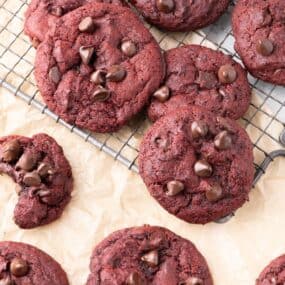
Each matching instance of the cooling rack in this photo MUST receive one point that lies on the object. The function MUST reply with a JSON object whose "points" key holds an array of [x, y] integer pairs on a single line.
{"points": [[264, 120]]}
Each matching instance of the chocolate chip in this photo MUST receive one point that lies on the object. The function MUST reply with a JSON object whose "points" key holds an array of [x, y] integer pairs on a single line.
{"points": [[214, 193], [19, 267], [27, 161], [35, 43], [227, 74], [223, 140], [98, 77], [57, 11], [7, 281], [162, 94], [116, 73], [32, 179], [44, 169], [199, 129], [43, 195], [134, 279], [86, 53], [161, 142], [11, 151], [193, 281], [203, 169], [207, 80], [174, 187], [224, 123], [264, 47], [54, 74], [87, 25], [101, 94], [151, 258], [165, 6], [129, 48]]}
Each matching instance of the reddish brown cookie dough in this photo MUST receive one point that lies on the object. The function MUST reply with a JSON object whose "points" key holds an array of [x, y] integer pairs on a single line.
{"points": [[197, 75], [100, 78], [42, 14], [181, 15], [43, 176], [259, 30], [23, 264], [147, 256], [274, 273], [199, 167]]}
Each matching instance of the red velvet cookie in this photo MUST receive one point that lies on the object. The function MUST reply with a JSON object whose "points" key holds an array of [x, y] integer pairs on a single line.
{"points": [[98, 67], [274, 273], [197, 75], [259, 30], [198, 166], [43, 175], [42, 14], [181, 15], [147, 256], [23, 264]]}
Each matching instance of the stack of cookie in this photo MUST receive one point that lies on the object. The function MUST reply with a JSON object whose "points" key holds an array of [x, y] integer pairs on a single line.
{"points": [[97, 66]]}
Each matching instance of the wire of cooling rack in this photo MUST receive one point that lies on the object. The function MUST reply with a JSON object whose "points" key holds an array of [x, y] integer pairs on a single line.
{"points": [[265, 118]]}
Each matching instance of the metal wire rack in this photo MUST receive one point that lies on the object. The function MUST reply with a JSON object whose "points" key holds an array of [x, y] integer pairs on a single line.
{"points": [[264, 121]]}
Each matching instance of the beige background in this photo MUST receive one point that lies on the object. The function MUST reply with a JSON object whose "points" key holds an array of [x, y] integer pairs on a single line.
{"points": [[108, 197]]}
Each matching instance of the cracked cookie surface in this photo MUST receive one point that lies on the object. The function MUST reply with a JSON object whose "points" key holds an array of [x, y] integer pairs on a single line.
{"points": [[98, 67], [198, 166], [259, 31], [147, 255], [42, 14], [23, 264], [181, 15], [43, 176], [197, 75]]}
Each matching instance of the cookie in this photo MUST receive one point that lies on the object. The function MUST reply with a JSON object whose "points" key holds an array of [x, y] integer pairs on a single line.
{"points": [[274, 273], [98, 67], [181, 15], [205, 77], [43, 176], [25, 264], [42, 14], [198, 166], [259, 31], [147, 255]]}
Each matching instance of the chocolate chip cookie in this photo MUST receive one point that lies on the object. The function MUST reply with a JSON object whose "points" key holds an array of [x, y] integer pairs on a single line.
{"points": [[198, 166], [197, 75], [23, 264], [181, 15], [42, 14], [43, 176], [274, 273], [98, 67], [259, 30], [147, 255]]}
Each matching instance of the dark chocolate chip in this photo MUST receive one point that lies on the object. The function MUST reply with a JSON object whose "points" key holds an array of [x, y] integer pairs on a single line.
{"points": [[165, 6], [44, 169], [86, 54], [19, 267], [27, 161], [151, 258], [87, 25], [174, 187], [203, 169], [223, 140], [162, 94], [11, 151], [199, 129], [134, 279], [207, 80], [98, 77], [264, 47], [116, 73], [7, 281], [101, 94], [214, 193], [32, 179], [54, 74], [129, 48], [193, 281], [227, 74], [57, 11]]}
